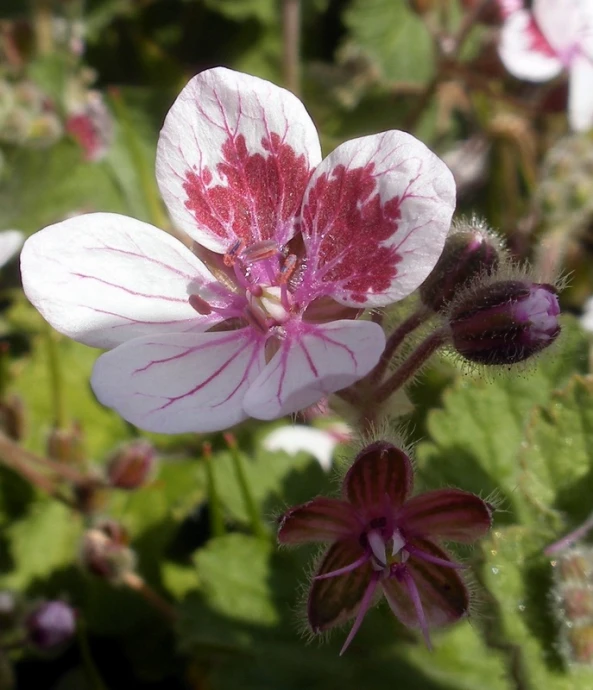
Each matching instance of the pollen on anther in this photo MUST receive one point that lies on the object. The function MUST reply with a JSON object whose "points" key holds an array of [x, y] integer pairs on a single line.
{"points": [[231, 256], [200, 305], [287, 269], [259, 251]]}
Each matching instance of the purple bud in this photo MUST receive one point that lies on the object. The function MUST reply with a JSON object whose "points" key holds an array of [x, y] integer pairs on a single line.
{"points": [[470, 251], [505, 322], [50, 625], [132, 465]]}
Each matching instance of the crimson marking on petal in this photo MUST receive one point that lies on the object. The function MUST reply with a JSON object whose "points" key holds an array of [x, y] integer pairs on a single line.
{"points": [[142, 322], [261, 194], [537, 41], [344, 216]]}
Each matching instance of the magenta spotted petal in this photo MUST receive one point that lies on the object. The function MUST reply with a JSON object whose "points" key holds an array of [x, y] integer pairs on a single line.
{"points": [[374, 220], [262, 318], [234, 158], [383, 541]]}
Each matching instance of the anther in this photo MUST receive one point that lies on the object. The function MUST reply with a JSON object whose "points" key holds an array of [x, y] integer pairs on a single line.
{"points": [[231, 256], [287, 269], [200, 305], [260, 251]]}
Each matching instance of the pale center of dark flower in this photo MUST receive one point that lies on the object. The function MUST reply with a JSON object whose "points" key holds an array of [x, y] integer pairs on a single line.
{"points": [[386, 552]]}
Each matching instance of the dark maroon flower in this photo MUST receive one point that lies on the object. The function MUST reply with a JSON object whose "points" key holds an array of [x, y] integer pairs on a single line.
{"points": [[50, 625], [383, 540], [505, 322]]}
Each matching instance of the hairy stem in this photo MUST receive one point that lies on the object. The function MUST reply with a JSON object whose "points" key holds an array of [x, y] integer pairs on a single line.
{"points": [[291, 30], [412, 364], [135, 582]]}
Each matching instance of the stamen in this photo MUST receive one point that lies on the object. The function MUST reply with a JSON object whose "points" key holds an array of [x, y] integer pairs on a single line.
{"points": [[287, 269], [404, 576], [230, 257], [200, 305], [346, 569], [365, 603], [429, 558], [258, 251]]}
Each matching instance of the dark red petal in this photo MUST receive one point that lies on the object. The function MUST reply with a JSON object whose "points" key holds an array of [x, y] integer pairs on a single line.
{"points": [[443, 593], [448, 514], [381, 473], [322, 519], [336, 599]]}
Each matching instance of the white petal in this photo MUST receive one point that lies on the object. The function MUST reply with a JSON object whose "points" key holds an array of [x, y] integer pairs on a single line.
{"points": [[560, 21], [311, 365], [180, 382], [580, 94], [234, 158], [525, 51], [103, 279], [10, 242], [298, 438], [587, 317], [375, 218]]}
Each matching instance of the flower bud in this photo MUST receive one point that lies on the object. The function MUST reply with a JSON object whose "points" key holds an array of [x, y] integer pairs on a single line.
{"points": [[131, 466], [470, 251], [104, 552], [12, 417], [505, 322], [67, 445], [50, 626]]}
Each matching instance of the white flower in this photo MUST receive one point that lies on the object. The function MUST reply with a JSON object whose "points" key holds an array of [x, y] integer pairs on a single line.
{"points": [[261, 319]]}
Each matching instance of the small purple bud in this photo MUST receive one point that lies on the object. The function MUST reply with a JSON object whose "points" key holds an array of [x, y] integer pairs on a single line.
{"points": [[505, 322], [131, 466], [50, 625], [470, 251]]}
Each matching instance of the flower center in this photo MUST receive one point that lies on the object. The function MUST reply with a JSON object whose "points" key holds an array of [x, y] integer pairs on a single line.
{"points": [[386, 552]]}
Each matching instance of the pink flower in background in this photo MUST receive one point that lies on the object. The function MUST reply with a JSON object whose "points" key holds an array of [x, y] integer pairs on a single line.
{"points": [[552, 36], [383, 540], [260, 319]]}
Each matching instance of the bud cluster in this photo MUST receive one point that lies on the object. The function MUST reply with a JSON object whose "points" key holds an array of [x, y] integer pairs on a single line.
{"points": [[573, 600]]}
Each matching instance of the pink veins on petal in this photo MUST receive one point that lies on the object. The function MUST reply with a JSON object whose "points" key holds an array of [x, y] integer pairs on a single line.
{"points": [[260, 196]]}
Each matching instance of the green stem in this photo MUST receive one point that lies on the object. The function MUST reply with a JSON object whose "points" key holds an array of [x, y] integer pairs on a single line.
{"points": [[55, 377], [90, 668], [250, 505], [145, 175], [214, 504]]}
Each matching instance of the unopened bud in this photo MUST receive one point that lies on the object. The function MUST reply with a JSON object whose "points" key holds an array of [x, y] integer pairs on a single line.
{"points": [[12, 417], [470, 251], [505, 322], [50, 626], [132, 465], [104, 552], [67, 445]]}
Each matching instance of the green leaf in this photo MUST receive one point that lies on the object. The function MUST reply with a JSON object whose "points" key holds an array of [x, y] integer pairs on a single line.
{"points": [[263, 11], [44, 541], [475, 440], [393, 37], [103, 429]]}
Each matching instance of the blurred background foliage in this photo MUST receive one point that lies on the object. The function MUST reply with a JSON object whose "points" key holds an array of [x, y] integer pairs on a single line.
{"points": [[211, 603]]}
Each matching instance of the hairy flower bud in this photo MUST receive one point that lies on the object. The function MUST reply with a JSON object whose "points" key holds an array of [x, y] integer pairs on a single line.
{"points": [[470, 251], [104, 552], [67, 445], [505, 322], [50, 626], [132, 465]]}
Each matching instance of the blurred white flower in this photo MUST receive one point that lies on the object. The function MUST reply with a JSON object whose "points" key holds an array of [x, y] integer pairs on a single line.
{"points": [[297, 438], [587, 317], [10, 243]]}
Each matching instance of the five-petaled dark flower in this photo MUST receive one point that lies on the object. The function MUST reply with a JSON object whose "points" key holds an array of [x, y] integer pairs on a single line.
{"points": [[383, 540]]}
